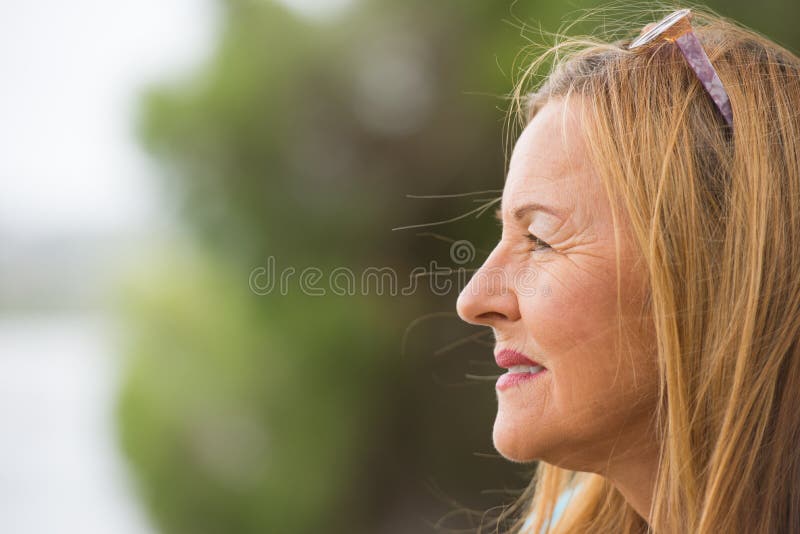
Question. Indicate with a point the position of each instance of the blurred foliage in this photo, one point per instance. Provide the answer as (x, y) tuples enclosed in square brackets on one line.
[(230, 420), (246, 413)]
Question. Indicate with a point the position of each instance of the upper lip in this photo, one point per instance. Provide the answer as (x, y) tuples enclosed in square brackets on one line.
[(507, 358)]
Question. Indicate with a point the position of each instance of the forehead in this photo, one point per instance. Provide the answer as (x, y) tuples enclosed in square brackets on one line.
[(549, 163)]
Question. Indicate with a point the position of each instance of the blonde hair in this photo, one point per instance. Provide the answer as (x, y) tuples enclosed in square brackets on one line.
[(713, 212)]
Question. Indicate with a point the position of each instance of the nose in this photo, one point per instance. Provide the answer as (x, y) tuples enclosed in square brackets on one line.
[(488, 299)]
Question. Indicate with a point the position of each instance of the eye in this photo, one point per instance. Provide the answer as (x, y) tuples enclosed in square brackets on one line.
[(536, 241)]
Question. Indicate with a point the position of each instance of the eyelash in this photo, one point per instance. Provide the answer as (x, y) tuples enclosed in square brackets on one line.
[(533, 239)]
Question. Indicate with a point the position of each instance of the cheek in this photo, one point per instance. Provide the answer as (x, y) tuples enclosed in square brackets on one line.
[(575, 328), (569, 318)]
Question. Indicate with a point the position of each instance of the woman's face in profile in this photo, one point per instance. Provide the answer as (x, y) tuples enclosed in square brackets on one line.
[(549, 292)]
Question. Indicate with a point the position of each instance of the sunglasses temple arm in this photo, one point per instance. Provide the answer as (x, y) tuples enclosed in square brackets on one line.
[(701, 65)]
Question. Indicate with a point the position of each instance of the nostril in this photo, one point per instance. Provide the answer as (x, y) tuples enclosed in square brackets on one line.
[(491, 316)]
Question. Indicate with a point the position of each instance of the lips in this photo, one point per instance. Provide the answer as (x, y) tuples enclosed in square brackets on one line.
[(507, 358)]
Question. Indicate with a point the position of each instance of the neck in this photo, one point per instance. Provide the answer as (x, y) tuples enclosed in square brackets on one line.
[(634, 475)]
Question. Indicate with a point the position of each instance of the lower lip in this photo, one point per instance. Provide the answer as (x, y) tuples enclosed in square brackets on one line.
[(512, 379)]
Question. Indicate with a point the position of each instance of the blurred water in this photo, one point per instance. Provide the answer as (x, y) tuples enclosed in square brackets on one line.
[(60, 470)]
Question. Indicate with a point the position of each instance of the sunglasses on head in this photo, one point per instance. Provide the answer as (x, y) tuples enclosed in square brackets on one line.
[(676, 27)]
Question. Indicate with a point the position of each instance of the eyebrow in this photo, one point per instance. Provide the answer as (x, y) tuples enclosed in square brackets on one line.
[(520, 211)]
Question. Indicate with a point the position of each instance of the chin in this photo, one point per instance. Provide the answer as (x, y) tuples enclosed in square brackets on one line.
[(513, 442)]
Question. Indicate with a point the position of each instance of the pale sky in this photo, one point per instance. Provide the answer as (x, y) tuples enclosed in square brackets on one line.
[(70, 74)]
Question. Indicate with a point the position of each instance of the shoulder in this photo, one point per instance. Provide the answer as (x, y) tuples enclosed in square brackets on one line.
[(558, 511)]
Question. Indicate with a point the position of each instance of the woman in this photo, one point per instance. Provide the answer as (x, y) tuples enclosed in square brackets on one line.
[(645, 292)]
